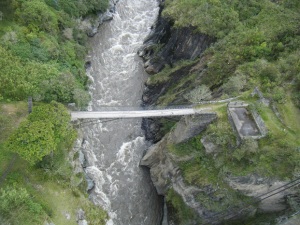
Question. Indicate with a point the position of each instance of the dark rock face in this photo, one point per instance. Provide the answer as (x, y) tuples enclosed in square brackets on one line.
[(164, 169), (167, 45), (163, 164), (154, 91)]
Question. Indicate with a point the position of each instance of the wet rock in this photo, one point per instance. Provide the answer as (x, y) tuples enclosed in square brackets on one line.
[(87, 65), (153, 69), (152, 129), (82, 159), (90, 24)]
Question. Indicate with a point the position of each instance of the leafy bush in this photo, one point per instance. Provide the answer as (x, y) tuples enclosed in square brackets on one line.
[(199, 94), (44, 82), (46, 128), (37, 15), (247, 148), (18, 207), (234, 85), (183, 214), (79, 8), (213, 17), (38, 59)]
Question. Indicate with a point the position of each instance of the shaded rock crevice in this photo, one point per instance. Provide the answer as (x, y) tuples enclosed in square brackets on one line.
[(164, 169), (168, 45)]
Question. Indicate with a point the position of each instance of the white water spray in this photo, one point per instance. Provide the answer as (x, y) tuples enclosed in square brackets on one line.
[(114, 149)]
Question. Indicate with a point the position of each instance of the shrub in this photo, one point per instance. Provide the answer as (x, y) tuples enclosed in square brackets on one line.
[(18, 207), (234, 85), (199, 94), (37, 15), (183, 213), (214, 17), (46, 128)]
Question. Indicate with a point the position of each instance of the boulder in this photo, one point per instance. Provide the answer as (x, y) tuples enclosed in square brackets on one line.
[(90, 24), (163, 167), (256, 186)]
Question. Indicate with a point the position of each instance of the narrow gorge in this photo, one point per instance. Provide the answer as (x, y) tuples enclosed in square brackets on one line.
[(113, 149), (195, 166)]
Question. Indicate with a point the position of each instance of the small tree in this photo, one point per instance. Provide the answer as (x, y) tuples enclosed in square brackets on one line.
[(18, 207), (37, 15), (234, 85), (45, 129), (199, 94), (33, 140)]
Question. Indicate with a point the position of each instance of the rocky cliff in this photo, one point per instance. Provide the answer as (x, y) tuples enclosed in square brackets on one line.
[(167, 45), (164, 170), (202, 176)]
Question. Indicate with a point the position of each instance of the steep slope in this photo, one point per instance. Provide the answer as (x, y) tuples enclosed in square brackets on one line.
[(192, 58)]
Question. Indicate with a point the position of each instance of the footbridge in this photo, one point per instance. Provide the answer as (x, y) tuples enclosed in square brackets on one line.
[(140, 113)]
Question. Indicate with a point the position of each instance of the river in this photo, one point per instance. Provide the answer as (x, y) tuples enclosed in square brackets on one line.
[(114, 149)]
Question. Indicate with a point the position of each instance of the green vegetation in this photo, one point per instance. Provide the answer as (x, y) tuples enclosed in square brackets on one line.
[(46, 129), (280, 150), (206, 170), (42, 52), (15, 203), (166, 73), (183, 214), (42, 187), (213, 17), (257, 45)]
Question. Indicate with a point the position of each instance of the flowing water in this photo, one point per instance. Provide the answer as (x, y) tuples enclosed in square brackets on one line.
[(114, 149)]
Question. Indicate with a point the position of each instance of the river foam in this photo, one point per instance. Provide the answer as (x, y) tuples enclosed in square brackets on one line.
[(114, 149)]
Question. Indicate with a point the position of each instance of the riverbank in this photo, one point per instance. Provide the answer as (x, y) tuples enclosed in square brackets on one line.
[(45, 62)]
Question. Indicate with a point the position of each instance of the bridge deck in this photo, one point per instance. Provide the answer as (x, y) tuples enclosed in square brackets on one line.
[(137, 113)]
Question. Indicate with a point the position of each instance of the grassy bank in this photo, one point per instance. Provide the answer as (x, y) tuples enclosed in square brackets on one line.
[(39, 193)]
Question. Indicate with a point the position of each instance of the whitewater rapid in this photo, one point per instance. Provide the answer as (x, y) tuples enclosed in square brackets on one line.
[(114, 149)]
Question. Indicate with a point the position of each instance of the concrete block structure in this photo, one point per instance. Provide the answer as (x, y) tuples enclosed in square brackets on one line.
[(247, 123)]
